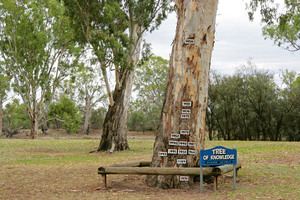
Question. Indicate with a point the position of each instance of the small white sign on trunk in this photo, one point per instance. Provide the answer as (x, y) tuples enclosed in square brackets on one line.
[(187, 103), (175, 136), (182, 151), (172, 151), (182, 143), (184, 132), (192, 151), (191, 144), (184, 178), (186, 111), (181, 161), (173, 142), (162, 153), (185, 116), (189, 41)]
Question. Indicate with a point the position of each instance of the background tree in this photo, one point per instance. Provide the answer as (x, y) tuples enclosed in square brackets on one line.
[(36, 47), (283, 28), (15, 118), (291, 106), (4, 88), (67, 113), (89, 92), (104, 25), (150, 86), (250, 106)]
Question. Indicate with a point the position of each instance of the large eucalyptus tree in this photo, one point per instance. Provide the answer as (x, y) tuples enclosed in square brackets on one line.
[(187, 87), (114, 31)]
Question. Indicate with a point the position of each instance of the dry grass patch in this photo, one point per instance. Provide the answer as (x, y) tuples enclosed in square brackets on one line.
[(63, 169)]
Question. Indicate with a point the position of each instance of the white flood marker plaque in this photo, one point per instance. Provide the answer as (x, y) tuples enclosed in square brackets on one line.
[(181, 161), (189, 41), (187, 103), (172, 151), (186, 111), (191, 144), (184, 178), (182, 143), (191, 151), (162, 153), (185, 116), (182, 151), (184, 132), (173, 142), (175, 136)]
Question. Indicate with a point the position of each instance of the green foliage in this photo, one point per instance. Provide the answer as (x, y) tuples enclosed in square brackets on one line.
[(4, 86), (290, 102), (150, 86), (108, 26), (66, 112), (15, 116), (102, 25), (250, 106), (36, 45), (282, 28), (97, 118)]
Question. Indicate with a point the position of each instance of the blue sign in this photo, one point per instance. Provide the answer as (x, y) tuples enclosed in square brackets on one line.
[(218, 156)]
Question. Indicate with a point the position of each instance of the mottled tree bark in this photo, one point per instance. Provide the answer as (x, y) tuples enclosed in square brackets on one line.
[(187, 81), (114, 137), (33, 127)]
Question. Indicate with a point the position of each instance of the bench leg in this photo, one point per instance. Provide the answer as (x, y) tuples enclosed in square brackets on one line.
[(215, 183), (104, 180)]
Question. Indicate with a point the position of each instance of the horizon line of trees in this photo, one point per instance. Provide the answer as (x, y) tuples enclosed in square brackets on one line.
[(247, 105)]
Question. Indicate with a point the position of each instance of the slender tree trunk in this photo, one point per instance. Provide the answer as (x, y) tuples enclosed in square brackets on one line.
[(34, 127), (87, 115), (114, 137), (187, 81)]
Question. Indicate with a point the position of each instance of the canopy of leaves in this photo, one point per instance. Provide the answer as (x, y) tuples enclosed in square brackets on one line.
[(15, 116), (4, 87), (66, 112), (250, 106), (102, 24), (283, 28), (35, 44)]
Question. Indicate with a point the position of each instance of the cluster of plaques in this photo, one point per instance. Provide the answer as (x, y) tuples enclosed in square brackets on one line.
[(179, 143), (186, 112)]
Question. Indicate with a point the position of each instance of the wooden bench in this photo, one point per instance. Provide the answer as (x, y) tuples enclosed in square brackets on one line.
[(143, 168)]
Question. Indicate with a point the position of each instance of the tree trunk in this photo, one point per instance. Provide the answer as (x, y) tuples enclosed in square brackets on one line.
[(114, 137), (34, 127), (0, 117), (187, 81), (85, 129)]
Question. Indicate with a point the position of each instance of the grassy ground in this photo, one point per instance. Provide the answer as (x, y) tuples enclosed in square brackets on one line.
[(63, 169)]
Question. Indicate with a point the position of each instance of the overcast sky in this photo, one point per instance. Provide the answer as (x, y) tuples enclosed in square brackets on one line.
[(236, 41)]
